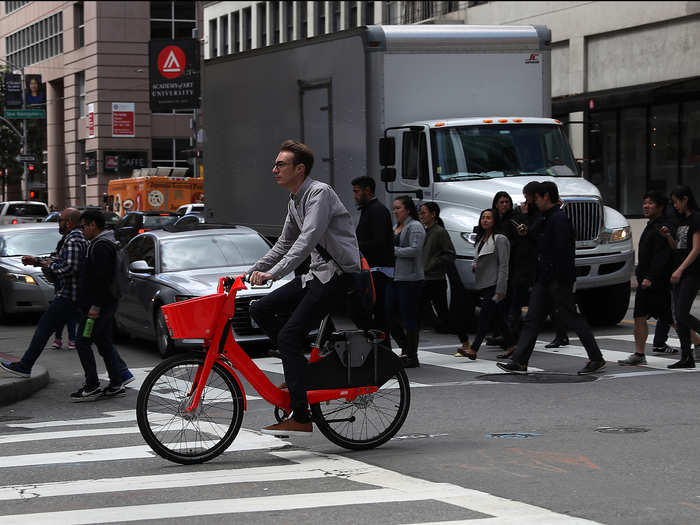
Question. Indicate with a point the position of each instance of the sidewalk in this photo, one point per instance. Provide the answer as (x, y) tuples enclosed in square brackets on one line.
[(13, 389)]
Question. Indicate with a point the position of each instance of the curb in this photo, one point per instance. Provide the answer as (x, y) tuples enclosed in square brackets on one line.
[(13, 389)]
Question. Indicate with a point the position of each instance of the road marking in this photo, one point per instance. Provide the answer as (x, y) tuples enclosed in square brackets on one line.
[(479, 366), (671, 341), (387, 486), (246, 440)]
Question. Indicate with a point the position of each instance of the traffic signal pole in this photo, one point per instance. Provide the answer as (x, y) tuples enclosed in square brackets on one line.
[(25, 147)]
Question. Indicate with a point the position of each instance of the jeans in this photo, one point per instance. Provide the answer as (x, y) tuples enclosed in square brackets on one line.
[(435, 297), (71, 326), (287, 315), (684, 294), (491, 312), (102, 337), (60, 311), (559, 298), (403, 308)]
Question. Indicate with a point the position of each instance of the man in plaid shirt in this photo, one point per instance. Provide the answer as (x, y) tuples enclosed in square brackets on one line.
[(66, 266)]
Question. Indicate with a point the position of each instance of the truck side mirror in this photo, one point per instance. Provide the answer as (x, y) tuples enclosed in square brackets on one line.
[(388, 174), (387, 153)]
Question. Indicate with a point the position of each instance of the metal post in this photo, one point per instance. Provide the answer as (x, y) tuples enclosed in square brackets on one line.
[(25, 147)]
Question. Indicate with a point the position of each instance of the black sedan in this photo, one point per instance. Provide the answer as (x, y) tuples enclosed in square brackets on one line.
[(135, 222), (166, 266)]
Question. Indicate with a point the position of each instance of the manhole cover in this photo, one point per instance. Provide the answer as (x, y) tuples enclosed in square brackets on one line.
[(14, 418), (513, 435), (621, 430), (537, 377)]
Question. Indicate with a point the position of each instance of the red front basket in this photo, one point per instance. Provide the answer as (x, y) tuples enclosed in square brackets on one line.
[(194, 318)]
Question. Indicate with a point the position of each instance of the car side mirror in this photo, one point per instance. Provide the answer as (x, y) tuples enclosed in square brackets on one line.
[(387, 151), (141, 267)]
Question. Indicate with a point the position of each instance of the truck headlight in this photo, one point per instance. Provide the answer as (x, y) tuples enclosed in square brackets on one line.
[(620, 234), (21, 278), (470, 237)]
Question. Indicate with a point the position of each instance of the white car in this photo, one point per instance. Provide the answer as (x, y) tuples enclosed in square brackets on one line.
[(18, 212), (186, 209)]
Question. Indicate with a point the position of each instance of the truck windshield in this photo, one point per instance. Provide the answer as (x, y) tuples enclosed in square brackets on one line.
[(481, 152)]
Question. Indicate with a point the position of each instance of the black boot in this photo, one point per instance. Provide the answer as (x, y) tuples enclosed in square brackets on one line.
[(558, 341), (410, 357), (687, 360)]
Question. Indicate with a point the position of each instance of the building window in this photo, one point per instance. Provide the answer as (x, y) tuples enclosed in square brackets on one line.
[(690, 145), (169, 152), (289, 11), (320, 28), (335, 16), (247, 28), (14, 6), (213, 39), (663, 147), (353, 15), (236, 23), (303, 20), (262, 25), (173, 19), (79, 24), (80, 82), (82, 174), (369, 13), (276, 31), (633, 159), (37, 42), (223, 23)]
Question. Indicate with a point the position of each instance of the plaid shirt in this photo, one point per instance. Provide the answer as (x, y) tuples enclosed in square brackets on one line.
[(67, 265)]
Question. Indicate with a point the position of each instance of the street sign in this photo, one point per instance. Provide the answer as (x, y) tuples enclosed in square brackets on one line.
[(25, 113), (25, 158)]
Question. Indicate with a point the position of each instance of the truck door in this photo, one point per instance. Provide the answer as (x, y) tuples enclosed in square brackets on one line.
[(414, 169), (316, 126)]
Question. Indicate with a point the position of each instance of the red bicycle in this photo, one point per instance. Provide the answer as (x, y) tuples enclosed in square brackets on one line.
[(190, 407)]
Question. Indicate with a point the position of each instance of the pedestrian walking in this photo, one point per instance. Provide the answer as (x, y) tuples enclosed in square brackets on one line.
[(490, 267), (375, 239), (438, 265), (407, 287), (71, 325), (686, 276), (654, 260), (317, 224), (553, 289), (66, 267), (98, 305)]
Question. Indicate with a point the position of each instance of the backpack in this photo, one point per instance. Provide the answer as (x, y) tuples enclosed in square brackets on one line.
[(120, 276)]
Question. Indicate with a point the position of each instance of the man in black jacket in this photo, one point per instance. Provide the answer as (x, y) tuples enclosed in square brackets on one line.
[(556, 274), (98, 306), (375, 237), (654, 268)]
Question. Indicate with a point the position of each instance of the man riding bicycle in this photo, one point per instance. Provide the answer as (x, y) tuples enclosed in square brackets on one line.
[(318, 224)]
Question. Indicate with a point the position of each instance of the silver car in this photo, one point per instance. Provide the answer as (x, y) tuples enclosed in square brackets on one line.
[(24, 288), (169, 266)]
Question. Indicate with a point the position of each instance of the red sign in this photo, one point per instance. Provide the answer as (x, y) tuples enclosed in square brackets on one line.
[(111, 162), (123, 119), (171, 62), (91, 120)]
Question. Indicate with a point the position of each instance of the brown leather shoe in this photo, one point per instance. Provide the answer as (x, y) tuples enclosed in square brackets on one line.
[(289, 427)]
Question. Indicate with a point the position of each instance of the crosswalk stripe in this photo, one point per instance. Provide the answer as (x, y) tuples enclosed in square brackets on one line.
[(118, 416), (480, 366), (246, 440), (671, 341)]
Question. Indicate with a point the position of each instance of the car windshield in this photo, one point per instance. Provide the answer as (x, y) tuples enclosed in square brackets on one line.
[(28, 242), (211, 251), (27, 210), (158, 221), (481, 152)]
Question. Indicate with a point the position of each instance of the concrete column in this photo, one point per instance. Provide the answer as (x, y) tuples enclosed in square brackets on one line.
[(54, 138), (577, 65)]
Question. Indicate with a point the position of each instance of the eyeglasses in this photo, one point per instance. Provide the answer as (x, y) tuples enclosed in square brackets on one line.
[(280, 164)]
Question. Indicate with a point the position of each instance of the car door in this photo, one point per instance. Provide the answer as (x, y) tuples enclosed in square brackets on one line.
[(146, 288), (128, 312)]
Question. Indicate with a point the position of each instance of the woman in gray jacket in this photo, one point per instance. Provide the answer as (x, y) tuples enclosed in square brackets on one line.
[(490, 269), (405, 293)]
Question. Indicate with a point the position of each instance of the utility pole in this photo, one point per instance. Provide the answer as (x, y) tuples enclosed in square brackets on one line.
[(25, 147)]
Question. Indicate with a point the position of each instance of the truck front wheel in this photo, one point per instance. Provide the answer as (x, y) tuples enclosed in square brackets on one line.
[(605, 306)]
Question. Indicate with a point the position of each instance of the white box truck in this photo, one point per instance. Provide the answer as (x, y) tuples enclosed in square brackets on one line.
[(467, 106)]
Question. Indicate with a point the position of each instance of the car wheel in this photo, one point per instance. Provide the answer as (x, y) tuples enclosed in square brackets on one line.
[(163, 340)]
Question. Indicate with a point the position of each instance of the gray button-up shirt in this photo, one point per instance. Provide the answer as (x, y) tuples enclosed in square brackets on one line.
[(315, 216)]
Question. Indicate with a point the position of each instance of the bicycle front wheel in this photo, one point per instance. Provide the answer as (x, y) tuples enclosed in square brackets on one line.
[(369, 420), (184, 437)]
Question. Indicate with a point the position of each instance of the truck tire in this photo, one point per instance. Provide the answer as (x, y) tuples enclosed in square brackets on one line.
[(605, 306)]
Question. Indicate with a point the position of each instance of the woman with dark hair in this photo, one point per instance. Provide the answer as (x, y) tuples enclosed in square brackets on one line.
[(438, 260), (405, 292), (490, 269), (686, 278)]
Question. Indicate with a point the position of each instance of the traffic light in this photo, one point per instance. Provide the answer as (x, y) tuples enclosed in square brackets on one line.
[(32, 194), (30, 167)]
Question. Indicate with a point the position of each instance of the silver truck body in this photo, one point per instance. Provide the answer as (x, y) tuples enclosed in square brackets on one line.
[(338, 93)]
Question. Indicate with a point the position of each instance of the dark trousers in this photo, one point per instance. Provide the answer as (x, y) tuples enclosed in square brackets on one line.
[(102, 337), (560, 299), (516, 299), (60, 311), (71, 326), (403, 307), (684, 294), (382, 282), (435, 301), (286, 316), (492, 313), (663, 327)]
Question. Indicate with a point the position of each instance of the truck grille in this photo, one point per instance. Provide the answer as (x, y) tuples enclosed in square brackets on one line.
[(585, 215), (241, 323)]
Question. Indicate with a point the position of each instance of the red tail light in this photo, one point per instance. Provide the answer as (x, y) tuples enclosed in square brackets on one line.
[(15, 221), (141, 230)]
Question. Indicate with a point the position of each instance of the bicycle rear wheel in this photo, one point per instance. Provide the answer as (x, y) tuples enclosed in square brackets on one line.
[(183, 437), (370, 419)]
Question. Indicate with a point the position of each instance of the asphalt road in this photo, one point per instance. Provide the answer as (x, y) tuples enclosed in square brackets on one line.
[(618, 450)]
